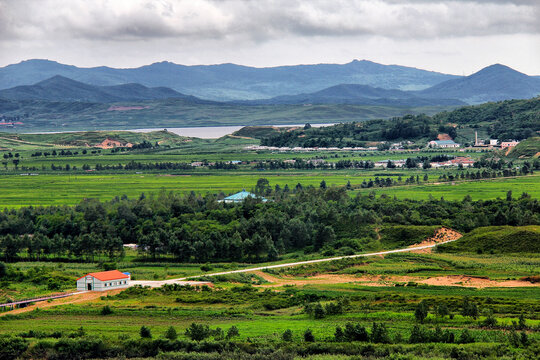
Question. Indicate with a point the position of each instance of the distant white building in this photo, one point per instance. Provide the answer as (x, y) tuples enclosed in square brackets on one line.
[(493, 142), (103, 281), (443, 144)]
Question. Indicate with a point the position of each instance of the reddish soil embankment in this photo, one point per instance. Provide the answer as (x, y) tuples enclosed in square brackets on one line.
[(74, 299)]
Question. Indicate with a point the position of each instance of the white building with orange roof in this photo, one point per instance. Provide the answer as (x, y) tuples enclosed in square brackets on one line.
[(103, 281)]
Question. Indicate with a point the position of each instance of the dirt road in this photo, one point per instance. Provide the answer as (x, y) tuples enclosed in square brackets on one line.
[(79, 297), (184, 279)]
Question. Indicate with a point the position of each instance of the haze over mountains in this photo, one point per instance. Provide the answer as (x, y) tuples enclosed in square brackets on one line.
[(60, 88), (493, 83), (226, 82), (358, 82), (360, 95)]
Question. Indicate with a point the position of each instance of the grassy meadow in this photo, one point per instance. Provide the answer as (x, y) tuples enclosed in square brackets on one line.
[(70, 189), (383, 295)]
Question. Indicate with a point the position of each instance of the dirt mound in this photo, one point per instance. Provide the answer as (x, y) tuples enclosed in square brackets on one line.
[(443, 137), (442, 235)]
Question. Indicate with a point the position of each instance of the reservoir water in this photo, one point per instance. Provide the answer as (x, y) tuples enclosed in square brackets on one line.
[(203, 132)]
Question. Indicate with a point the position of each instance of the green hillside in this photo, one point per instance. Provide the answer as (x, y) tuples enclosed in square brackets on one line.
[(513, 119), (89, 138), (497, 239), (37, 115), (526, 149), (259, 132)]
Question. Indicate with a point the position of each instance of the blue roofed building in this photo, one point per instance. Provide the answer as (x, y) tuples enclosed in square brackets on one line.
[(241, 196)]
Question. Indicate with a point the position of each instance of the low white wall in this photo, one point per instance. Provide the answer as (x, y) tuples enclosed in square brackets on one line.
[(98, 285)]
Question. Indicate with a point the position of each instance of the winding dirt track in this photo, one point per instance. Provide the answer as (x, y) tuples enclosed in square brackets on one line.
[(442, 236), (80, 297), (277, 266)]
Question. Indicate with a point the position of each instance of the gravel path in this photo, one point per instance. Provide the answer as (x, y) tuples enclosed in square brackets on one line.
[(184, 280)]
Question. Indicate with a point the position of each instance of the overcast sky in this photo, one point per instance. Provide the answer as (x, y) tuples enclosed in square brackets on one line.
[(458, 37)]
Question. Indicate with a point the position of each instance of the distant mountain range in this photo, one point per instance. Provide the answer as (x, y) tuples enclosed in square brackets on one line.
[(359, 95), (59, 88), (227, 82), (493, 83)]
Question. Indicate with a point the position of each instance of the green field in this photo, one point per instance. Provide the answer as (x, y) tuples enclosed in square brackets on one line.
[(262, 316), (46, 248), (60, 189), (477, 190)]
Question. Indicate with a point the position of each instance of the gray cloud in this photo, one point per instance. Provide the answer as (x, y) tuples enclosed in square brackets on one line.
[(458, 36), (237, 20)]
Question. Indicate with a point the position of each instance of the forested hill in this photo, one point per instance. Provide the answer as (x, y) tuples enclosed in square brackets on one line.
[(192, 228), (512, 119)]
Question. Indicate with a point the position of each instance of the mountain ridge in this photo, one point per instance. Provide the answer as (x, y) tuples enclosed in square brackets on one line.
[(359, 95), (63, 89), (225, 82), (493, 83), (496, 82)]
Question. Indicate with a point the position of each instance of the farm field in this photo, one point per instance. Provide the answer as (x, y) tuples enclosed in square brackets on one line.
[(69, 189), (478, 190), (262, 313), (478, 302)]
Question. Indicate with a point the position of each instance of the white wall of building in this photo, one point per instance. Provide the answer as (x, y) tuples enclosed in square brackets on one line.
[(91, 283)]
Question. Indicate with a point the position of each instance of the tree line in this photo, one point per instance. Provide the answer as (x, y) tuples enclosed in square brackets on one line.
[(200, 228)]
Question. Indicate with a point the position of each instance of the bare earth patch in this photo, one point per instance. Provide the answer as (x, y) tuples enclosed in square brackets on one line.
[(441, 235), (391, 280), (74, 299)]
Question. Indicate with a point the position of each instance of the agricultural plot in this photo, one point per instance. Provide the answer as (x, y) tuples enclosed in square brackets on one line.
[(456, 302), (69, 189)]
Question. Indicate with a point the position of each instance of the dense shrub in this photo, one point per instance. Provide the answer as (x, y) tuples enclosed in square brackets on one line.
[(12, 347), (145, 332), (198, 332), (106, 310), (308, 336)]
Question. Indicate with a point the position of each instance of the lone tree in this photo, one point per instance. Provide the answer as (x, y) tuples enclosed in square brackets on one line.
[(198, 332), (106, 310), (232, 332), (442, 310), (308, 336), (145, 332), (421, 311), (469, 309), (287, 335), (171, 333)]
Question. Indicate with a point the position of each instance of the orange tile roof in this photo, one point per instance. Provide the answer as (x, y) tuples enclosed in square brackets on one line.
[(107, 275)]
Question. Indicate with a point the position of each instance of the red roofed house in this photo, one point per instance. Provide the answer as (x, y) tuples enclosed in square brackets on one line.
[(103, 281)]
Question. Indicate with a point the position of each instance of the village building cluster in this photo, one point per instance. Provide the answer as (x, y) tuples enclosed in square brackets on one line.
[(460, 160)]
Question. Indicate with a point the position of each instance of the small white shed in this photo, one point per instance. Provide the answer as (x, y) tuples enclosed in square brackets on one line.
[(103, 281)]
